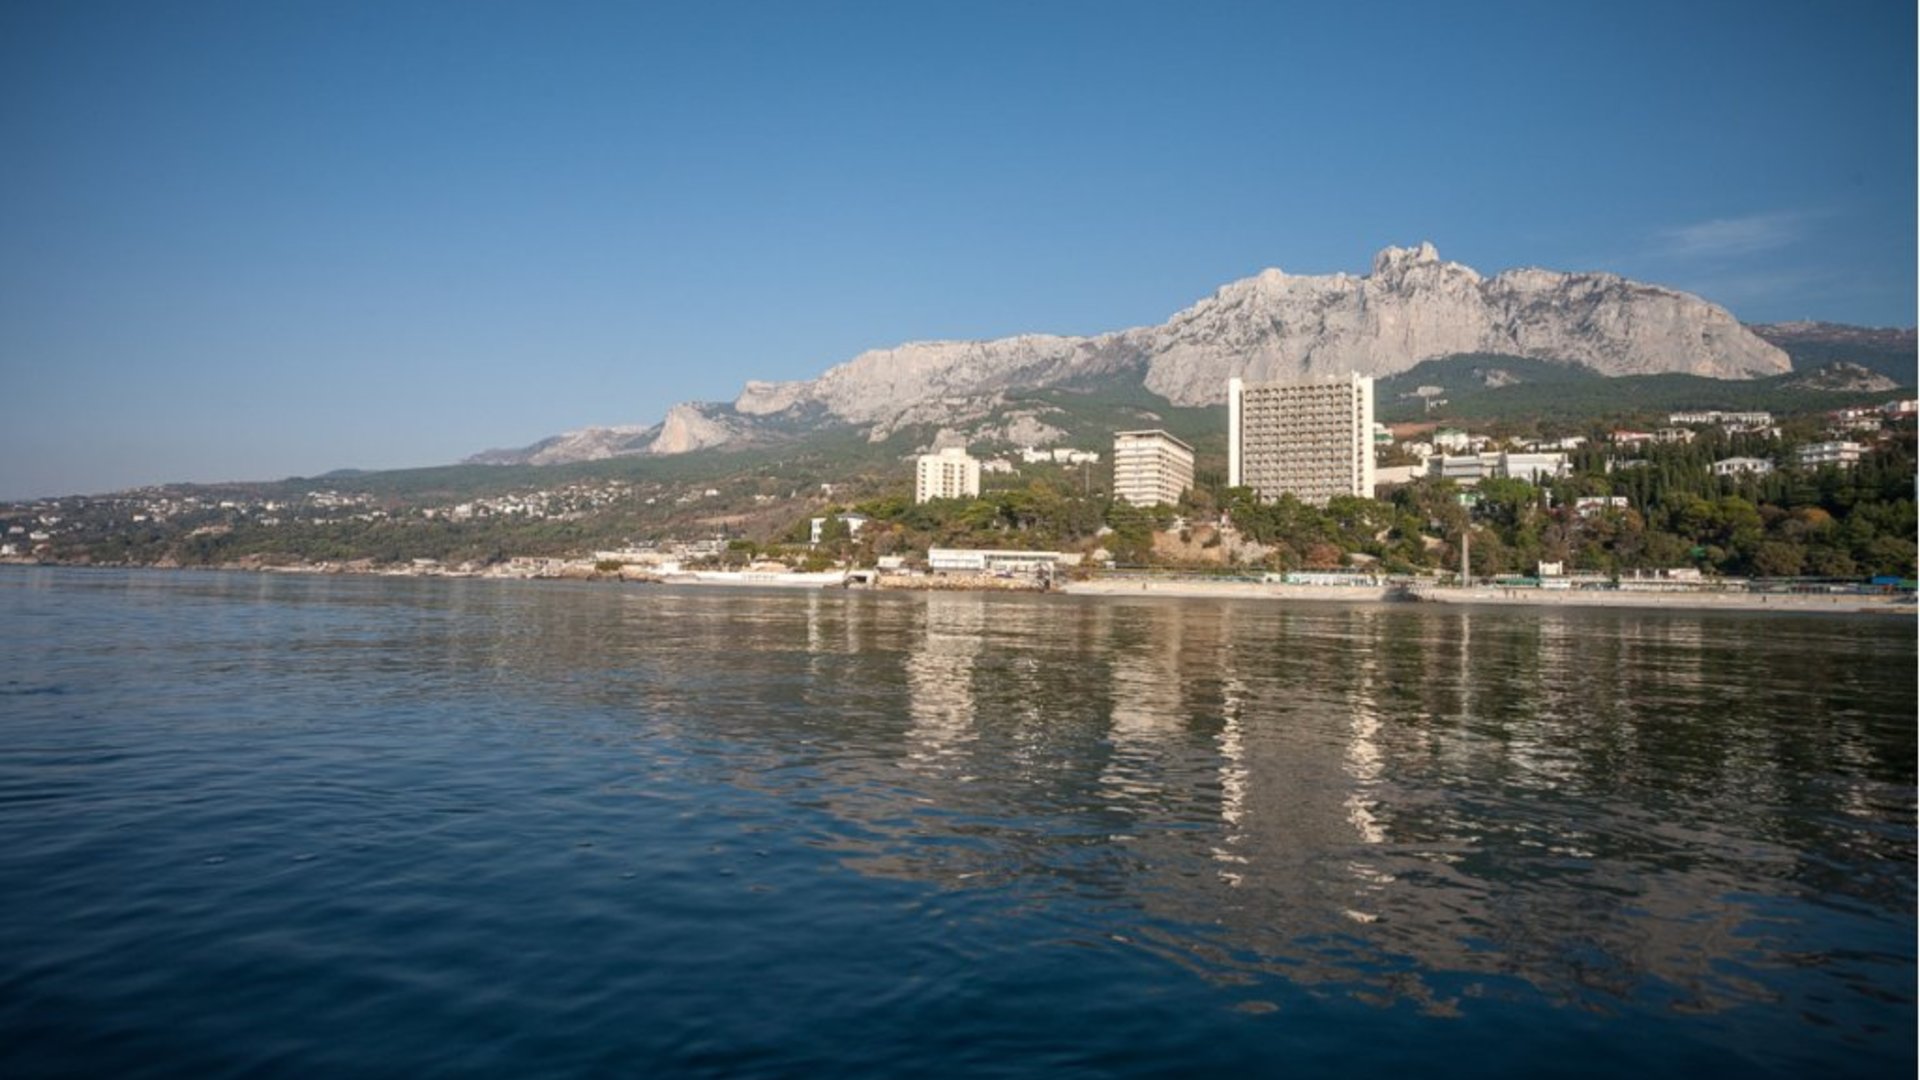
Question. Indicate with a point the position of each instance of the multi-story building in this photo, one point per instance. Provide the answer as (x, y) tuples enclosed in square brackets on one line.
[(1831, 453), (1533, 468), (1312, 440), (950, 474), (1737, 421), (1150, 467), (1503, 464)]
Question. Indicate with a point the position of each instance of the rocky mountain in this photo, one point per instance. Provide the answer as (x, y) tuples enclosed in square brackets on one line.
[(1412, 307), (586, 444), (1890, 351), (1842, 377)]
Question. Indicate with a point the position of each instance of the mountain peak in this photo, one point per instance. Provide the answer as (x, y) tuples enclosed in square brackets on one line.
[(1391, 259)]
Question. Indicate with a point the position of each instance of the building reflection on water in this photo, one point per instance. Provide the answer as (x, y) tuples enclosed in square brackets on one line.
[(940, 667), (1417, 804)]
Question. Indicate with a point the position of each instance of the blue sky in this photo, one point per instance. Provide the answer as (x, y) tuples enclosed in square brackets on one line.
[(244, 240)]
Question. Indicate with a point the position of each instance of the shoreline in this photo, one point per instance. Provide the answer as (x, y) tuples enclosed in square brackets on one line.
[(1498, 596), (1189, 589)]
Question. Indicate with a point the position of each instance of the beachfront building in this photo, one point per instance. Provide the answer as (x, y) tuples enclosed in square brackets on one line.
[(995, 561), (1311, 440), (950, 474), (1151, 467)]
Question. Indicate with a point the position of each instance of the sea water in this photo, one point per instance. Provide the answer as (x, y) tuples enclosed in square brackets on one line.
[(269, 824)]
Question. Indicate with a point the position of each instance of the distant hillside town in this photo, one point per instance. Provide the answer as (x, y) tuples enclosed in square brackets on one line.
[(1292, 477)]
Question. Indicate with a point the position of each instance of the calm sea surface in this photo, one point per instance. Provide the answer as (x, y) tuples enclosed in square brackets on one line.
[(300, 825)]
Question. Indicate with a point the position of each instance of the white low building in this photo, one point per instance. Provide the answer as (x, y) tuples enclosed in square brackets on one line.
[(1588, 505), (1532, 468), (1395, 475), (995, 561), (1742, 466), (816, 527), (1570, 442), (1503, 464)]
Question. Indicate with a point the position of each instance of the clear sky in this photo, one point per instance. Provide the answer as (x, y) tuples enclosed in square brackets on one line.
[(249, 240)]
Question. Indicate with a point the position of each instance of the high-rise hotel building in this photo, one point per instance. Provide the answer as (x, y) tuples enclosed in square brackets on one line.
[(1150, 467), (1313, 440), (950, 474)]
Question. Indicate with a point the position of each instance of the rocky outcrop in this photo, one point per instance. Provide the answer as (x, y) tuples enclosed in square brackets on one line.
[(689, 427), (878, 385), (1843, 376), (1889, 351), (586, 444)]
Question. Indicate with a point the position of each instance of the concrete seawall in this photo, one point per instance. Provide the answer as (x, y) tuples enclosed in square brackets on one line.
[(1353, 594), (1784, 603), (1673, 601)]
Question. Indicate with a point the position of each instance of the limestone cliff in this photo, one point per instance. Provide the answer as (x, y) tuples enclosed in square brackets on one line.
[(1274, 325), (688, 427), (1412, 306), (1415, 307)]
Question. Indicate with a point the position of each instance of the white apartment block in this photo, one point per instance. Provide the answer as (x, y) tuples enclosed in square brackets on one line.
[(1532, 468), (1740, 421), (1313, 440), (950, 474), (1831, 453), (1150, 467), (1501, 464)]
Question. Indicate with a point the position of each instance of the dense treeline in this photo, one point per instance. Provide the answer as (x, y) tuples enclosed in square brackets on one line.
[(1829, 522)]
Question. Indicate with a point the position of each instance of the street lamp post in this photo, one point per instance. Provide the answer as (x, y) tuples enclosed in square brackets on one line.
[(1466, 541)]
